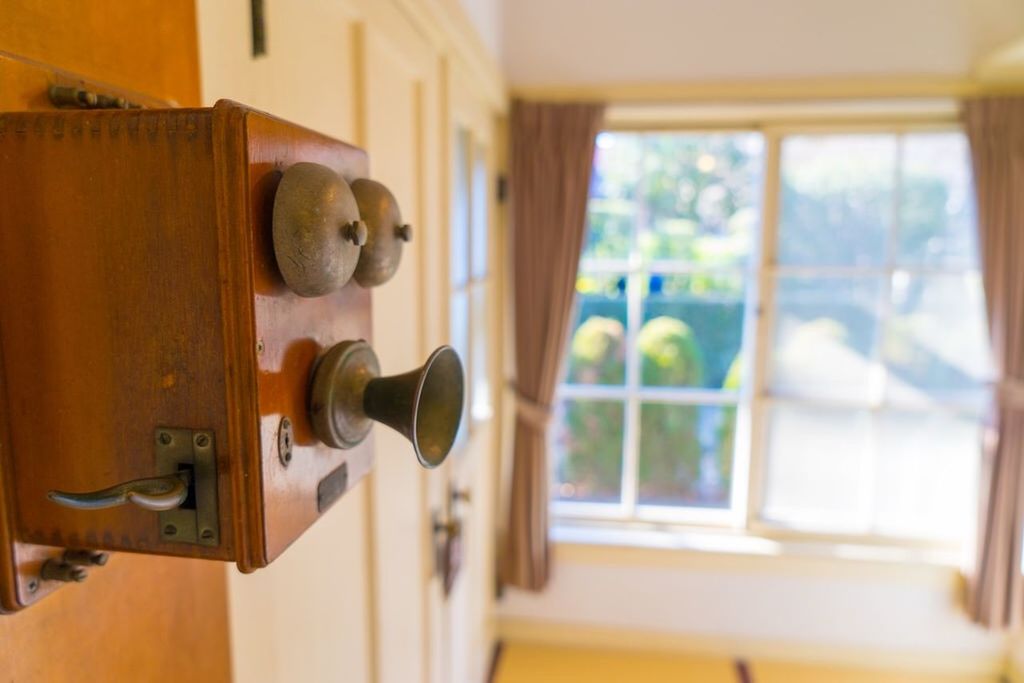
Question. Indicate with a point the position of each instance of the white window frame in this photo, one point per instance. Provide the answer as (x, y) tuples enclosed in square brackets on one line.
[(475, 157), (753, 401)]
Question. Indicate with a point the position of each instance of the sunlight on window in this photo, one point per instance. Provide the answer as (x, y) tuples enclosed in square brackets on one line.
[(653, 371), (879, 352), (863, 420)]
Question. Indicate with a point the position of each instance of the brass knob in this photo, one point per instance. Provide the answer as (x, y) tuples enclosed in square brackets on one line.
[(356, 232), (157, 494), (451, 528)]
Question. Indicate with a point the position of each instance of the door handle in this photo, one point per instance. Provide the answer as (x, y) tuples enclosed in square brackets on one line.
[(155, 493)]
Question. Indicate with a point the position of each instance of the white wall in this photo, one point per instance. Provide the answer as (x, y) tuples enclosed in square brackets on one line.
[(308, 615), (851, 611), (354, 598), (861, 612), (587, 42), (487, 19)]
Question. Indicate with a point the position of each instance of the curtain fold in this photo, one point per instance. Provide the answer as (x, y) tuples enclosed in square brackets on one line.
[(995, 127), (552, 149)]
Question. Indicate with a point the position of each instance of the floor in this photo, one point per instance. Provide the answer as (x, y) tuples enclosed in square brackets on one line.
[(524, 663)]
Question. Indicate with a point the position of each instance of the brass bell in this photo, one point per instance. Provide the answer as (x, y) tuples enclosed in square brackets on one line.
[(317, 230), (386, 233), (424, 405)]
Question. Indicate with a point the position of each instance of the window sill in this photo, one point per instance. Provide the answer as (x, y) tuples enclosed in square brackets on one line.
[(723, 548)]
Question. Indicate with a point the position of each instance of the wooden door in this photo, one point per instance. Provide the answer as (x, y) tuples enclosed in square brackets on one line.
[(138, 618)]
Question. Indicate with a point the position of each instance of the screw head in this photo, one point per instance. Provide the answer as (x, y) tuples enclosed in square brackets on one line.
[(170, 530), (165, 438), (285, 441), (202, 440), (206, 534), (259, 346), (32, 585)]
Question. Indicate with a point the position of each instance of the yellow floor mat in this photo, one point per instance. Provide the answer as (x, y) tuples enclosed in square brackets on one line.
[(781, 672), (528, 663), (522, 663)]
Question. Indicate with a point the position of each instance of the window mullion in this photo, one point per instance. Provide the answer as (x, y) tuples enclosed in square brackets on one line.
[(764, 312), (631, 449), (870, 467), (634, 319)]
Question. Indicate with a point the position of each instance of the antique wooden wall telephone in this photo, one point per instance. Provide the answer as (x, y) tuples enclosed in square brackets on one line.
[(184, 316)]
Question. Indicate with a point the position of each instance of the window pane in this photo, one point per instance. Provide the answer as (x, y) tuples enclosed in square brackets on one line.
[(686, 454), (701, 195), (611, 210), (815, 466), (459, 254), (926, 475), (479, 374), (609, 228), (936, 342), (825, 337), (937, 225), (836, 204), (459, 335), (480, 226), (692, 331), (588, 446), (597, 349)]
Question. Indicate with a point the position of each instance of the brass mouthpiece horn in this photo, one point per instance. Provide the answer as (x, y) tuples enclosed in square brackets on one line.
[(424, 405)]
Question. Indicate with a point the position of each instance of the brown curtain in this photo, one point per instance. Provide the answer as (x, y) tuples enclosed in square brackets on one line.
[(549, 175), (995, 127)]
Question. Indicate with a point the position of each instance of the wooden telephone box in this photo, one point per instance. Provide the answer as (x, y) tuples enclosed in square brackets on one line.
[(148, 333)]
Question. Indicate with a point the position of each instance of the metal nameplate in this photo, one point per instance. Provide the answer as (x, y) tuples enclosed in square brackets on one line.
[(331, 487)]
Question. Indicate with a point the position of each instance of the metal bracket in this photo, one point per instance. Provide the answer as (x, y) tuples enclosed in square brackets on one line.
[(196, 520), (73, 97)]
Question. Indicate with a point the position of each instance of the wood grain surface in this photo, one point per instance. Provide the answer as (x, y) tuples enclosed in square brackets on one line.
[(149, 46), (140, 618), (295, 331), (110, 313), (139, 291)]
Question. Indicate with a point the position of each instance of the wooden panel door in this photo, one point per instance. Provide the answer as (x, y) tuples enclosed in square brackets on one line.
[(141, 618)]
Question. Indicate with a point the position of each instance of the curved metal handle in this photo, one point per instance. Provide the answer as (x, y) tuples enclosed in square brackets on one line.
[(156, 493)]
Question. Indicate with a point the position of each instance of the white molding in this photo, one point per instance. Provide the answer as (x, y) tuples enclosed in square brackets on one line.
[(711, 551), (758, 114), (448, 28)]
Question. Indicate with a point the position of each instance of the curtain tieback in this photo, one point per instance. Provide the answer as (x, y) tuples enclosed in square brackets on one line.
[(1011, 393), (532, 412)]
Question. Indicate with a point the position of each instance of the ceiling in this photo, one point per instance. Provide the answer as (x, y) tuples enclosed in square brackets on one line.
[(601, 42)]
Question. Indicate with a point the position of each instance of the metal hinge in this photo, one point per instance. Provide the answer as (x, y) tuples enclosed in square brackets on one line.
[(501, 188), (72, 97)]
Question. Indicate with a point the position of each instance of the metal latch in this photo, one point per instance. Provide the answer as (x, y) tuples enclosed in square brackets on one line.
[(193, 452), (184, 493)]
